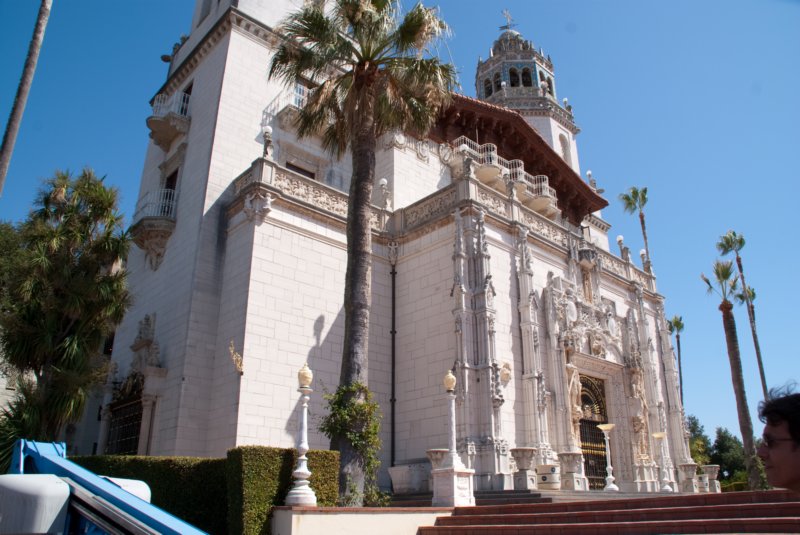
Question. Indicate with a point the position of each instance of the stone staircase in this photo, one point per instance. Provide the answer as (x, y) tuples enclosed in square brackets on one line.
[(482, 498), (774, 511)]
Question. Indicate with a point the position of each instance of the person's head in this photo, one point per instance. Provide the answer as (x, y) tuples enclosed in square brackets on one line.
[(780, 448)]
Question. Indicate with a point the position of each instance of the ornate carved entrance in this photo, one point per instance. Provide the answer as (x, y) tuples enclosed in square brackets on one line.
[(593, 402)]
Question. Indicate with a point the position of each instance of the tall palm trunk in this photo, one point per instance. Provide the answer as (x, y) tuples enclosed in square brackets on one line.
[(737, 379), (644, 235), (680, 367), (357, 290), (751, 313), (24, 87)]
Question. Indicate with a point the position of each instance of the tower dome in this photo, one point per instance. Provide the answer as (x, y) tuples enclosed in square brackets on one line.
[(518, 76)]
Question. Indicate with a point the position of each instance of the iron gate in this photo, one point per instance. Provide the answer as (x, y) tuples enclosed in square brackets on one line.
[(126, 423), (593, 444)]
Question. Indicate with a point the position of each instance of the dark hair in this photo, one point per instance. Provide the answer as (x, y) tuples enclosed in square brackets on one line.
[(782, 406)]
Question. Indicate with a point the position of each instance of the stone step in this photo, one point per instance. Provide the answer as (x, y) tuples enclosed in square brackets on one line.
[(482, 498), (737, 525), (709, 512), (646, 501)]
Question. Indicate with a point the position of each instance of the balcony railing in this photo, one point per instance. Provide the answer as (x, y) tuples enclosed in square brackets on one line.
[(158, 203), (170, 118), (534, 191), (165, 104)]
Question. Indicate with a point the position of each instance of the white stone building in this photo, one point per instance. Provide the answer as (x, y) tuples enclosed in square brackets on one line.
[(490, 257)]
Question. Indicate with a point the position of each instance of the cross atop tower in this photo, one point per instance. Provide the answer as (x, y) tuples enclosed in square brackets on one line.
[(509, 21)]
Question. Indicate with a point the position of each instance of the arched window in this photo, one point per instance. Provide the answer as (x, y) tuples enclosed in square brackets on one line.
[(487, 88), (526, 78), (550, 86), (541, 77), (513, 76), (566, 153), (497, 81)]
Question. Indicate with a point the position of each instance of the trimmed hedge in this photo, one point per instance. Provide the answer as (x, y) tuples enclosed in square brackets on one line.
[(188, 487), (233, 495), (259, 479)]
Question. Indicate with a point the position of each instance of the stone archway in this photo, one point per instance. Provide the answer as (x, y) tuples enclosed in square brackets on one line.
[(593, 447)]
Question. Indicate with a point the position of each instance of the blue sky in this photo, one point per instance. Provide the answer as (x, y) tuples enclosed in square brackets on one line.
[(697, 100)]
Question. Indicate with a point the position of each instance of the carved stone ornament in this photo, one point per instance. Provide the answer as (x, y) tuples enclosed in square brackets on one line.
[(257, 205), (236, 357), (151, 236), (145, 347), (445, 153)]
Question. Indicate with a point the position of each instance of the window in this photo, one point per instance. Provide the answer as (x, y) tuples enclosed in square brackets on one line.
[(526, 78), (299, 170), (487, 88), (300, 96), (566, 153), (496, 79), (514, 77)]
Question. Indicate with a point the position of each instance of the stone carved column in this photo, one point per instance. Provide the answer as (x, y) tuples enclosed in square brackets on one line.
[(148, 405), (525, 476)]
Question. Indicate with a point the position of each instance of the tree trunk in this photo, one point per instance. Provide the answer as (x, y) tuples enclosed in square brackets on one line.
[(644, 235), (737, 379), (680, 367), (751, 313), (24, 87), (357, 292)]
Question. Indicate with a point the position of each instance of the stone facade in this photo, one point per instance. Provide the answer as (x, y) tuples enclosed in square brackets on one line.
[(547, 331)]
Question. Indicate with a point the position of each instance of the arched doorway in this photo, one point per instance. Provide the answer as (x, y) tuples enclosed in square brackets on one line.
[(593, 445)]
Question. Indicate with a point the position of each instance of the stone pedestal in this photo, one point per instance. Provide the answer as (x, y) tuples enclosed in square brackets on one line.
[(702, 483), (688, 477), (548, 476), (525, 476), (452, 487), (572, 476), (712, 471)]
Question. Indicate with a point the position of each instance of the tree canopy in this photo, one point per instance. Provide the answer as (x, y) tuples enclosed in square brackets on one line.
[(63, 291)]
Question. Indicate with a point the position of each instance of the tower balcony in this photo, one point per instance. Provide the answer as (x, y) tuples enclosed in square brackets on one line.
[(170, 118), (535, 192), (489, 165), (153, 224)]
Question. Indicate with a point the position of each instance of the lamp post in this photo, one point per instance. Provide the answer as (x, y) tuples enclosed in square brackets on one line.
[(659, 436), (453, 460), (301, 493), (606, 429)]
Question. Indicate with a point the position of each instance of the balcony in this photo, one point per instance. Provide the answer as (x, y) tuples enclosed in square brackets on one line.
[(489, 168), (285, 106), (170, 118), (533, 191), (153, 223)]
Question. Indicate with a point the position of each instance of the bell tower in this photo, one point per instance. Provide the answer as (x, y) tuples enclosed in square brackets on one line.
[(518, 76)]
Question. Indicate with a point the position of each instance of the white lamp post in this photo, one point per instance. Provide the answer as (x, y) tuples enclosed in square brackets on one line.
[(606, 429), (659, 436), (453, 460), (301, 493)]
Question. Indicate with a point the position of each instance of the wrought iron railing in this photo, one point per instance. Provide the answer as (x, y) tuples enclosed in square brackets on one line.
[(164, 104), (157, 203)]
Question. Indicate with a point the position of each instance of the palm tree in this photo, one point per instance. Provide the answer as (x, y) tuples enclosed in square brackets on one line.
[(726, 286), (61, 295), (634, 201), (676, 327), (24, 87), (372, 76), (731, 242)]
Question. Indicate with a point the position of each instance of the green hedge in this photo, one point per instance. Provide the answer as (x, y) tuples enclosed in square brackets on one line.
[(187, 487), (259, 479), (233, 495)]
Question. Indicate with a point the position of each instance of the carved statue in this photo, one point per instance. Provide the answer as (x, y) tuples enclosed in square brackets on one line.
[(574, 382)]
